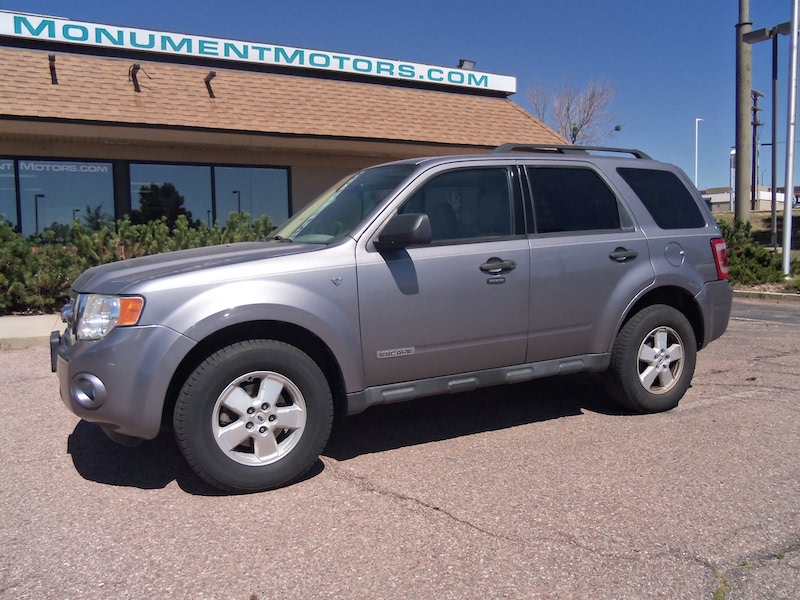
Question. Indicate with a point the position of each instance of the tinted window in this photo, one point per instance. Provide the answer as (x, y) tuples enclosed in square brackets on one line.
[(255, 190), (571, 199), (8, 192), (466, 204), (169, 191), (665, 197), (54, 193)]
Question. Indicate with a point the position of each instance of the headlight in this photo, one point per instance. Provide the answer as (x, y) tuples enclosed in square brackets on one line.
[(100, 314)]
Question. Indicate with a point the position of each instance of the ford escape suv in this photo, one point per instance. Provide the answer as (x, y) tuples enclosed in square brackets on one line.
[(406, 280)]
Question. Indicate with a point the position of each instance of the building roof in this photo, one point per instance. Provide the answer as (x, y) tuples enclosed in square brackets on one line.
[(98, 90)]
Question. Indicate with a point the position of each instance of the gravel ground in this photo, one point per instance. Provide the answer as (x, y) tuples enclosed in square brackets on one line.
[(540, 490)]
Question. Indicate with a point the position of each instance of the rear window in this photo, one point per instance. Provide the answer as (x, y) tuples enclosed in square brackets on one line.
[(665, 197)]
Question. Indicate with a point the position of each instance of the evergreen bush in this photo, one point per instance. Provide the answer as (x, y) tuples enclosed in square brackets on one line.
[(749, 263), (36, 274)]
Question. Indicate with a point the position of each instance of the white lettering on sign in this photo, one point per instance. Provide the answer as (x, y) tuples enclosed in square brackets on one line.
[(50, 167)]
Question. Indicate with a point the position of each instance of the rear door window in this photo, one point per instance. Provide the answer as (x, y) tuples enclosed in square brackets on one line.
[(570, 199), (665, 197)]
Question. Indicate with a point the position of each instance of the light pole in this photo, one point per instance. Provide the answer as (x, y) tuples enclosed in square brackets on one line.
[(753, 37), (36, 210), (791, 136), (75, 210), (238, 201), (696, 138), (756, 124)]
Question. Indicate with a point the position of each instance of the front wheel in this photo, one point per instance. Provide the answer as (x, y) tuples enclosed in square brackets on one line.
[(254, 416), (653, 360)]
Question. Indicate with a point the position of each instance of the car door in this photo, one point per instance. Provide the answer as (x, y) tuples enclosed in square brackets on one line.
[(588, 261), (460, 303)]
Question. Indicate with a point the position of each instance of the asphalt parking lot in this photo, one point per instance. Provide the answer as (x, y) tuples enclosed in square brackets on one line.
[(540, 490)]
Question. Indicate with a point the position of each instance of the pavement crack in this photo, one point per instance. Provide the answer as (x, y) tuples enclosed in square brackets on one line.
[(368, 486), (726, 574)]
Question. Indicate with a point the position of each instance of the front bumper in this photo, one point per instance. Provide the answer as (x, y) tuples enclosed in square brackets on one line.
[(119, 382)]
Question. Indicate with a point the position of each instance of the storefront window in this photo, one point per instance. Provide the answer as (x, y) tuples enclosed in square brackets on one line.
[(169, 191), (55, 193), (257, 191), (8, 193)]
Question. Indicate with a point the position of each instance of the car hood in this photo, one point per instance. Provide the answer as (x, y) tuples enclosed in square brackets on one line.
[(114, 278)]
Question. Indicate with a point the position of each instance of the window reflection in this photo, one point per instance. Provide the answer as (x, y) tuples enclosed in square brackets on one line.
[(169, 191), (255, 190), (8, 193), (55, 193)]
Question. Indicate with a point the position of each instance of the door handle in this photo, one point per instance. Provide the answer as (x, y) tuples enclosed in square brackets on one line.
[(496, 265), (623, 254)]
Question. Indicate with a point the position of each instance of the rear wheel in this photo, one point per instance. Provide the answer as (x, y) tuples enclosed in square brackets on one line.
[(653, 360), (254, 416)]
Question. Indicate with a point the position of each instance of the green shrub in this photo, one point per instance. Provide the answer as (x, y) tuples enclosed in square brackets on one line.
[(36, 274), (749, 263), (15, 252)]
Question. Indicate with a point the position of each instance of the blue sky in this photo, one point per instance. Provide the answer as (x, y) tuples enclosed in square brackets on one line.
[(670, 61)]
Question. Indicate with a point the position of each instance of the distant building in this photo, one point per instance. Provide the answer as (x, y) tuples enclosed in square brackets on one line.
[(721, 199)]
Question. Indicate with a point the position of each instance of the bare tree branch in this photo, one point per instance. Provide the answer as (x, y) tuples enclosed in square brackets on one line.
[(582, 117)]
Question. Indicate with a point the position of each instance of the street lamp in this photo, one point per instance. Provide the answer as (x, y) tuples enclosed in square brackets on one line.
[(753, 37), (36, 210), (696, 131), (754, 169), (238, 201), (75, 210)]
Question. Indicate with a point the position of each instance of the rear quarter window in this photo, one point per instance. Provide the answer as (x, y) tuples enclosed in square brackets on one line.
[(665, 197)]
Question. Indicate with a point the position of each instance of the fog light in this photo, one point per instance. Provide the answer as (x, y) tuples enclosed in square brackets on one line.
[(88, 391)]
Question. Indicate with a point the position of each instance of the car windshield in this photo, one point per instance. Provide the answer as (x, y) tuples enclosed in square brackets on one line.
[(335, 213)]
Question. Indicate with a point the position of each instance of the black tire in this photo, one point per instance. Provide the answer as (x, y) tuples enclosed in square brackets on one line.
[(653, 360), (254, 416)]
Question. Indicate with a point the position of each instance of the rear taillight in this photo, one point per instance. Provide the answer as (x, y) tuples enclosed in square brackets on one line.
[(720, 257)]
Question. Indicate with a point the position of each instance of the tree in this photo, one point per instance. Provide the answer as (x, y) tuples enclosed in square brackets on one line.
[(160, 201), (579, 116), (95, 218)]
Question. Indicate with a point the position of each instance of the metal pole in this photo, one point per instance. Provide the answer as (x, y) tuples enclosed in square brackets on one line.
[(774, 194), (696, 137), (791, 131), (36, 210), (744, 80), (756, 124)]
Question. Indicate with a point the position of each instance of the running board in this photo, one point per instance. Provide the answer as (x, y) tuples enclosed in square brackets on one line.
[(464, 382)]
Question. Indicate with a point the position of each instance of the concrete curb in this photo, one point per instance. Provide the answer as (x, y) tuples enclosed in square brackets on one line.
[(776, 296), (24, 331)]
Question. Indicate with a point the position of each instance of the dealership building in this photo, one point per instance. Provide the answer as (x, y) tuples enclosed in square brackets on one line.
[(96, 116)]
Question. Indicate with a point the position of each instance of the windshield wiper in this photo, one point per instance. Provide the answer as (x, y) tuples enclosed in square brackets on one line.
[(280, 238)]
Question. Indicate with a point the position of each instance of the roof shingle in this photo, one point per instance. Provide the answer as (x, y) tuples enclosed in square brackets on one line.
[(98, 90)]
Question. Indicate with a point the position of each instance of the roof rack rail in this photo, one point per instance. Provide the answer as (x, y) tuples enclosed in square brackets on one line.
[(565, 149)]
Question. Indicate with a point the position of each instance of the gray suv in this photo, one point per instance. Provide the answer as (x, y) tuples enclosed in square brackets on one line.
[(410, 279)]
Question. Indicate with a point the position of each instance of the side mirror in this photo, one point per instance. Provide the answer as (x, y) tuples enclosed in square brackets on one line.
[(403, 231)]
